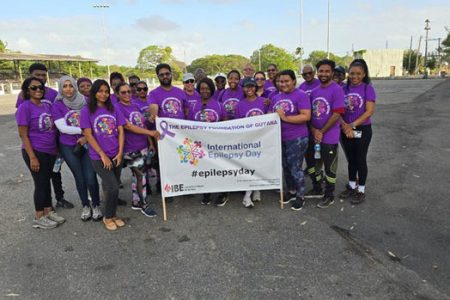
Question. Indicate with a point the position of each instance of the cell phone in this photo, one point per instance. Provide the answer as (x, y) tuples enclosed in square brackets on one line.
[(357, 134)]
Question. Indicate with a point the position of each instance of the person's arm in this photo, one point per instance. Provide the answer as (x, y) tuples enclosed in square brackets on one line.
[(318, 133), (153, 110), (370, 109), (34, 161), (303, 117), (138, 130), (66, 129), (118, 158), (107, 164)]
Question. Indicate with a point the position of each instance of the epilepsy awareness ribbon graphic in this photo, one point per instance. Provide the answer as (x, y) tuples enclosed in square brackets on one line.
[(165, 130)]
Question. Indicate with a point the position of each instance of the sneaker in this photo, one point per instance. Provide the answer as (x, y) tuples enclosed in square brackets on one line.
[(247, 202), (121, 186), (149, 212), (53, 216), (325, 202), (96, 213), (119, 222), (109, 224), (86, 213), (136, 206), (348, 193), (121, 202), (256, 196), (314, 194), (288, 197), (221, 200), (298, 203), (206, 199), (63, 203), (358, 198), (44, 223)]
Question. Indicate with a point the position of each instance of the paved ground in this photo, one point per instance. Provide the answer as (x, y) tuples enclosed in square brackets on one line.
[(235, 253)]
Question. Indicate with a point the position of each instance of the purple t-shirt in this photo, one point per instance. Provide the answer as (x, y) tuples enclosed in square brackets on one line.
[(144, 108), (247, 108), (114, 100), (170, 103), (308, 87), (291, 103), (209, 112), (71, 117), (324, 101), (132, 114), (273, 94), (104, 125), (229, 99), (49, 97), (217, 94), (355, 101), (41, 128), (268, 86), (192, 99)]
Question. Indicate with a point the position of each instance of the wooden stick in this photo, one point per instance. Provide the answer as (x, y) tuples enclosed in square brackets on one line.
[(164, 208), (281, 199)]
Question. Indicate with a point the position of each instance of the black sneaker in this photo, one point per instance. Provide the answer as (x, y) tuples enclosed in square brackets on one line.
[(288, 197), (325, 202), (221, 200), (121, 202), (136, 206), (206, 199), (63, 203), (298, 203), (348, 193), (314, 194), (358, 198)]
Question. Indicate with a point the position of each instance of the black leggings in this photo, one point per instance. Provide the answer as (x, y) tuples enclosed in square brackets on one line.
[(110, 186), (355, 150), (42, 190)]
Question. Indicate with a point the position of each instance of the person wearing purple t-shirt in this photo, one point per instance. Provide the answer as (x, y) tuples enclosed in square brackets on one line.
[(260, 79), (66, 113), (271, 95), (141, 101), (231, 96), (192, 96), (357, 129), (250, 106), (138, 149), (294, 109), (339, 75), (38, 134), (84, 86), (115, 79), (221, 81), (327, 103), (103, 128), (248, 71), (269, 85), (133, 81), (308, 73)]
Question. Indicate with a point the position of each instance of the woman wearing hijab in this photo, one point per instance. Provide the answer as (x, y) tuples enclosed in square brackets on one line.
[(66, 112)]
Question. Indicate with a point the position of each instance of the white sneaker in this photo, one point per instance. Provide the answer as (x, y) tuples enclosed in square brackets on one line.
[(97, 213), (256, 196), (86, 213), (247, 202), (53, 216), (44, 223)]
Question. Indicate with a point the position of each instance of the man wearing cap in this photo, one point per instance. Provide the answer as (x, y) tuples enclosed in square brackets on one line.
[(310, 83), (192, 96), (272, 71), (339, 75), (248, 72), (221, 81)]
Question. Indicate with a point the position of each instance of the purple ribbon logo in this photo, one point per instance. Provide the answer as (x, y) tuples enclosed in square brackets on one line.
[(165, 130)]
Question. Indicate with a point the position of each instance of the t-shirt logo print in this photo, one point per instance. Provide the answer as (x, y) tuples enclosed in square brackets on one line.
[(106, 124), (45, 122), (171, 105), (136, 118), (284, 104), (353, 101), (190, 151), (254, 112), (73, 118), (230, 105), (207, 115), (320, 107)]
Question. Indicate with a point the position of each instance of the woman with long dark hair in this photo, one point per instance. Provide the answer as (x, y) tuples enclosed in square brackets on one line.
[(357, 129), (103, 128), (37, 131), (231, 96)]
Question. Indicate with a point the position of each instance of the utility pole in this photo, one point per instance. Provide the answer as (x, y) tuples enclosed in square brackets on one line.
[(103, 7), (301, 35), (410, 53), (328, 32), (417, 56), (427, 28)]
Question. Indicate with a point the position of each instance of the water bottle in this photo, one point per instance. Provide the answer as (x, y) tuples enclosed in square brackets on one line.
[(317, 151), (57, 165)]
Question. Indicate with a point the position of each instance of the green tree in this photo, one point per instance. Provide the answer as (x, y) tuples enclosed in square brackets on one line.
[(445, 49), (275, 55), (151, 56), (317, 55), (213, 64), (2, 47), (409, 61)]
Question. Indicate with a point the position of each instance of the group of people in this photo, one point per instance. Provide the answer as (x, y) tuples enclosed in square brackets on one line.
[(98, 132)]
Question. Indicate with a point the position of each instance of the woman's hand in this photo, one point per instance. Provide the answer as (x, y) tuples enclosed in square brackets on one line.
[(34, 164), (82, 141), (348, 130), (155, 134), (118, 159), (266, 101), (282, 114), (107, 164)]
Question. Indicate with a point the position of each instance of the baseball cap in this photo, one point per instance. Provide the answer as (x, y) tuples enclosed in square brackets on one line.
[(340, 69), (249, 81), (188, 76), (220, 75)]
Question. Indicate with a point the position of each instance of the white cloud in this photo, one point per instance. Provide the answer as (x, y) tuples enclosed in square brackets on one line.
[(156, 23)]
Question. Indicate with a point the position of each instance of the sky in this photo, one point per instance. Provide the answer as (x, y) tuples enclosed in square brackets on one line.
[(195, 28)]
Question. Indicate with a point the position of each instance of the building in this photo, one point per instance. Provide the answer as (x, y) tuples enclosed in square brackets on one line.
[(382, 62)]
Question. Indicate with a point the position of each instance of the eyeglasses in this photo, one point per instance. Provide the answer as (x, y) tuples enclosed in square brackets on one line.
[(271, 70), (189, 81), (140, 89), (125, 92), (260, 79), (36, 87), (167, 74), (308, 73)]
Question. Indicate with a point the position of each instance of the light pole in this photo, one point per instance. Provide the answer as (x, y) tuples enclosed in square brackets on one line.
[(299, 49), (259, 59), (328, 32), (103, 25), (427, 28)]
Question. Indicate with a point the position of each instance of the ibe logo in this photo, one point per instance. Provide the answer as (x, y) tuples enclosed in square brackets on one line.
[(190, 151), (173, 188)]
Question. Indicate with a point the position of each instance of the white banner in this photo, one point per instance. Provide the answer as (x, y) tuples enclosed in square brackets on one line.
[(236, 155)]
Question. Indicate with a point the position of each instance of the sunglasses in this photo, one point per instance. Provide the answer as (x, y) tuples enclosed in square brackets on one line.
[(140, 89), (260, 79), (125, 92), (307, 73), (36, 87), (271, 70), (221, 80), (167, 74), (189, 81)]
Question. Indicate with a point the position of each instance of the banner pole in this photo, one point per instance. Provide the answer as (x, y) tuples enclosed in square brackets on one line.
[(281, 198), (164, 208)]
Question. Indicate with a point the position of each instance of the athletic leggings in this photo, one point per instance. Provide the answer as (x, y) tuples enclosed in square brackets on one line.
[(110, 186), (355, 150), (293, 152)]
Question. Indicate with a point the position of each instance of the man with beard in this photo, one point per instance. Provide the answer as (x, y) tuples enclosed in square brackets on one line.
[(327, 105), (310, 82)]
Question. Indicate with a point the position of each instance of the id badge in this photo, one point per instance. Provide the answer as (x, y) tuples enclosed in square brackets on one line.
[(357, 134)]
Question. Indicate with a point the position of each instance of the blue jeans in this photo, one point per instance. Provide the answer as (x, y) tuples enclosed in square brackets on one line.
[(84, 174), (293, 152)]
